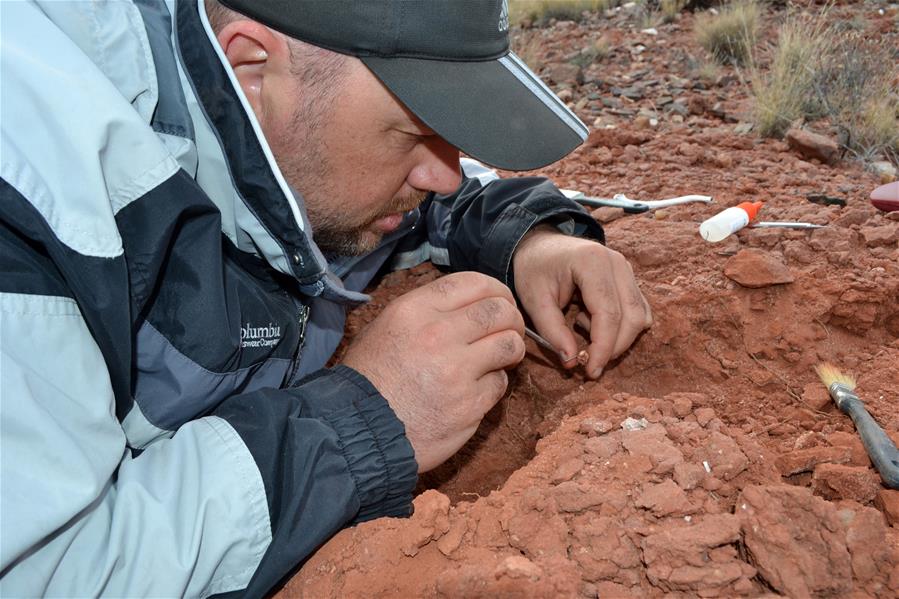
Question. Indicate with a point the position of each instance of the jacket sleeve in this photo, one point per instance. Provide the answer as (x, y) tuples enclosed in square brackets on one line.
[(233, 499), (480, 225)]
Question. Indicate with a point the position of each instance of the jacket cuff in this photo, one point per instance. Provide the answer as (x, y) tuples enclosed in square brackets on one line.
[(380, 458), (514, 223)]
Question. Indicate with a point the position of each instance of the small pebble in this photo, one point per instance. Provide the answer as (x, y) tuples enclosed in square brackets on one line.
[(632, 424), (583, 357)]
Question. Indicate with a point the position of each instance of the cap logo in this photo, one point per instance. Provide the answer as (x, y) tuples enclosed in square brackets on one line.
[(504, 17)]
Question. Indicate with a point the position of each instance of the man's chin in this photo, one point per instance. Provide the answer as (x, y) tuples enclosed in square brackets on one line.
[(356, 244)]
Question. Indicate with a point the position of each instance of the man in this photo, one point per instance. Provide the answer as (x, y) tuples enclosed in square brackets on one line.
[(188, 209)]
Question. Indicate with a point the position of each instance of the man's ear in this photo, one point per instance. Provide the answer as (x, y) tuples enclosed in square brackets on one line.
[(255, 53)]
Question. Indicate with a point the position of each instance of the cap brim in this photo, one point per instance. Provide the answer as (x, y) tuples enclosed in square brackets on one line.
[(497, 111)]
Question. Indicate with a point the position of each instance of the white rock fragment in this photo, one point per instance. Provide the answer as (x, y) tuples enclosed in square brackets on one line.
[(633, 424)]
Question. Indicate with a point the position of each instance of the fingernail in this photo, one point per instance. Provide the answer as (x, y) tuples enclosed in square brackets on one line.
[(597, 373)]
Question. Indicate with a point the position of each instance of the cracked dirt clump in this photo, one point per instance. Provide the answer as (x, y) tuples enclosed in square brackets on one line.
[(678, 507)]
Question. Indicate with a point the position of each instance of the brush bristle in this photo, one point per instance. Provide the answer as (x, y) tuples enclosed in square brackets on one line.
[(830, 374)]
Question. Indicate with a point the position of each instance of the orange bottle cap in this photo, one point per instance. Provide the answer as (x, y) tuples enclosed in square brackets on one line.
[(751, 208)]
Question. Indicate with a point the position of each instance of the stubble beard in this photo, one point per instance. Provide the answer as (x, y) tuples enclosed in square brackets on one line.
[(333, 235), (336, 229)]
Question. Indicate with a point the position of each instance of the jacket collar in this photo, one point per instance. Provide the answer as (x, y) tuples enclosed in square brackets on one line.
[(271, 216)]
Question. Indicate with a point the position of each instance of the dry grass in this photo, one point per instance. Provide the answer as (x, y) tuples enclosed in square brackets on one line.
[(540, 12), (730, 35), (652, 13), (708, 73), (594, 52), (853, 87), (783, 92), (669, 9), (527, 45), (876, 131), (830, 71)]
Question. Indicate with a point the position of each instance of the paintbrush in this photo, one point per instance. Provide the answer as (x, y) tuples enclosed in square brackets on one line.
[(880, 447)]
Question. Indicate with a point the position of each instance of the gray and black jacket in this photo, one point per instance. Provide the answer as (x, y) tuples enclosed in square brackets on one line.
[(167, 426)]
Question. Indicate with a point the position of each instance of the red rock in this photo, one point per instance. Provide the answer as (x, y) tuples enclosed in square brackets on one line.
[(603, 550), (688, 475), (853, 216), (651, 256), (755, 268), (602, 447), (661, 452), (704, 415), (859, 457), (834, 481), (451, 541), (815, 396), (805, 460), (724, 456), (564, 72), (710, 483), (594, 426), (536, 531), (665, 499), (683, 402), (518, 566), (602, 155), (697, 104), (613, 138), (572, 497), (882, 235), (810, 439), (813, 145), (607, 214), (677, 558), (796, 539), (429, 522), (611, 589), (723, 160), (866, 541), (642, 122), (887, 501), (567, 470)]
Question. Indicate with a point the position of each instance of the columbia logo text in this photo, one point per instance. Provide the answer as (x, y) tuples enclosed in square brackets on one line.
[(267, 336)]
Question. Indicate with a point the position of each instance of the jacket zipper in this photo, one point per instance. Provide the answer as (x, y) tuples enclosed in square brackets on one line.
[(302, 320)]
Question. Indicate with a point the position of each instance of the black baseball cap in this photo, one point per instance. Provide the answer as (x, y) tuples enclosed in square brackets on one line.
[(449, 62)]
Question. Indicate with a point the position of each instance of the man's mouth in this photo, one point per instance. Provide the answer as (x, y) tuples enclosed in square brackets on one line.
[(389, 223)]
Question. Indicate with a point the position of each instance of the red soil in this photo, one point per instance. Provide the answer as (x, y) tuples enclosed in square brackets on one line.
[(746, 481)]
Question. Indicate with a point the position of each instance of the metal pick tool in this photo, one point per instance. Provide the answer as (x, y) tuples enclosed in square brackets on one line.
[(784, 225), (619, 200), (543, 343)]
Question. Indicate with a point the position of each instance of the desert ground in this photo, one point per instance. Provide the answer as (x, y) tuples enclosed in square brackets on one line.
[(709, 459)]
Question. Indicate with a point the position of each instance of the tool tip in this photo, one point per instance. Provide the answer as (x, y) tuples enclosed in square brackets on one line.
[(830, 374)]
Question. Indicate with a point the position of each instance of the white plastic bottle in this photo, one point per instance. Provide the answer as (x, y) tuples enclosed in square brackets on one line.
[(729, 221)]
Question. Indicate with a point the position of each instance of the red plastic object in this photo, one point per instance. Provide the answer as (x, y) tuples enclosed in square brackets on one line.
[(886, 197)]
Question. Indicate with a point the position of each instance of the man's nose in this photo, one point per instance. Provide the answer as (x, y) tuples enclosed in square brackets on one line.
[(438, 168)]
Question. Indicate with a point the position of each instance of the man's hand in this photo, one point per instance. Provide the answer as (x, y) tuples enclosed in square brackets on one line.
[(548, 266), (438, 354)]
